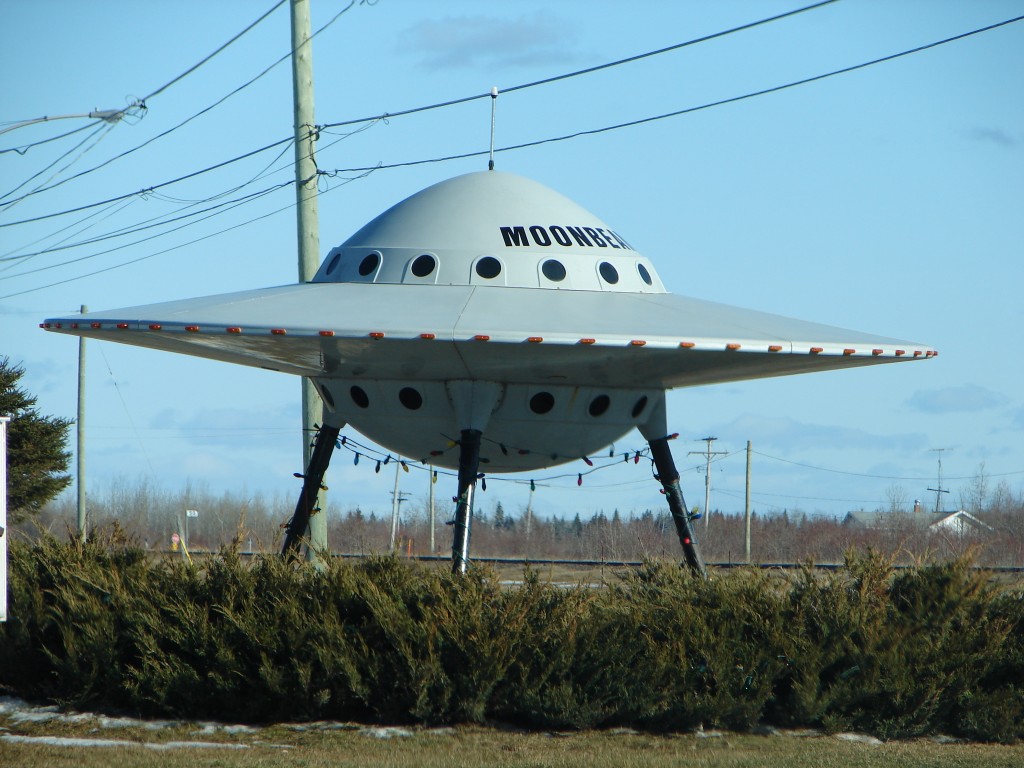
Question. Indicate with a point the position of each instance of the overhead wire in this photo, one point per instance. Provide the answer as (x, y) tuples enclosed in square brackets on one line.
[(172, 248), (588, 70), (201, 112), (368, 169), (453, 102), (161, 220), (689, 110)]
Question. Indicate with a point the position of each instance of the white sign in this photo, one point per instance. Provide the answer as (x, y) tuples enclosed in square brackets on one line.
[(191, 513)]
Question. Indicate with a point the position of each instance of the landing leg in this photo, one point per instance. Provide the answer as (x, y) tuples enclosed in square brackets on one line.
[(669, 476), (298, 526), (469, 463)]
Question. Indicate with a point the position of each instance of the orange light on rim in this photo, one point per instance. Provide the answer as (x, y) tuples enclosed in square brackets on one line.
[(74, 325), (278, 331), (122, 326), (687, 344), (535, 339), (326, 333), (376, 334), (816, 350), (588, 341), (732, 347), (876, 352), (155, 326), (234, 329), (917, 353), (900, 352), (192, 328), (775, 348), (481, 337), (849, 352), (96, 325), (637, 343), (428, 336)]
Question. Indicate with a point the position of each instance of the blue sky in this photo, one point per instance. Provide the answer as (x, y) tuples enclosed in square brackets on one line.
[(888, 200)]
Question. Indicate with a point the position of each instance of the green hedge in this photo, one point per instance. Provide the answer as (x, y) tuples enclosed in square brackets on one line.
[(936, 648)]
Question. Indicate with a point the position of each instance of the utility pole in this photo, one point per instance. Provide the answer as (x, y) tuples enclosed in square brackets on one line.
[(708, 453), (80, 433), (396, 499), (938, 489), (746, 508), (431, 479), (529, 511), (308, 229)]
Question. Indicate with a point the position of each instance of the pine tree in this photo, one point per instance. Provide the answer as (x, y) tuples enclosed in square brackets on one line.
[(36, 455)]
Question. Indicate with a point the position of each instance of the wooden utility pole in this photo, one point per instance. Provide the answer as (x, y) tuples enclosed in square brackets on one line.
[(746, 512), (80, 433), (308, 229), (708, 453)]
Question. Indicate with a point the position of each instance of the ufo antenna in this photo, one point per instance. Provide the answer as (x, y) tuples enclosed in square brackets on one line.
[(494, 101)]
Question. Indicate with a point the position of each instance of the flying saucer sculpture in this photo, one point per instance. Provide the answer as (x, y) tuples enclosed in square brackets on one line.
[(488, 322)]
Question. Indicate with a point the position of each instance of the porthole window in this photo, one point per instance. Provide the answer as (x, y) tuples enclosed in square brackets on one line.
[(359, 397), (609, 273), (599, 405), (326, 395), (410, 398), (423, 265), (369, 264), (488, 267), (644, 274), (334, 263), (640, 405), (542, 402), (553, 270)]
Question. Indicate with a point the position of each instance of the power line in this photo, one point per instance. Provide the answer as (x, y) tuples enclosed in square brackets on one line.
[(200, 63), (880, 477), (689, 110), (187, 176), (187, 120), (588, 70)]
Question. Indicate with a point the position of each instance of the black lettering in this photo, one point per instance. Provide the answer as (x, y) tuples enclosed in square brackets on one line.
[(610, 239), (540, 235), (622, 242), (560, 236), (598, 240), (515, 236), (578, 236)]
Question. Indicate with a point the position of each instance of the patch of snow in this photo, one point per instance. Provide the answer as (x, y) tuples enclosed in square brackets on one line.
[(860, 738), (386, 733), (66, 741)]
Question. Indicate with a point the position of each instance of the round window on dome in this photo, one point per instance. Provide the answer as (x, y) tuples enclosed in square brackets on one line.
[(334, 262), (553, 270), (488, 267), (410, 398), (359, 397), (369, 264), (542, 402), (609, 273), (599, 405), (423, 265), (644, 274), (638, 408)]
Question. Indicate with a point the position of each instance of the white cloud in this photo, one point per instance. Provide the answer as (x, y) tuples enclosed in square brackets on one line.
[(966, 398)]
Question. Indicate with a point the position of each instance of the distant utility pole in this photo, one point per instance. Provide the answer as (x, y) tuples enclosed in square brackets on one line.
[(308, 229), (746, 507), (938, 489), (708, 453), (396, 499), (80, 433), (431, 478)]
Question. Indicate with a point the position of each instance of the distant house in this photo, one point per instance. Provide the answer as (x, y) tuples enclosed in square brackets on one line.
[(959, 523)]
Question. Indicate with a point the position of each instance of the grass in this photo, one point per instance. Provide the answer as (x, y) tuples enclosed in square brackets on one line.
[(340, 745)]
